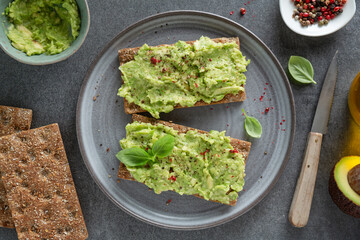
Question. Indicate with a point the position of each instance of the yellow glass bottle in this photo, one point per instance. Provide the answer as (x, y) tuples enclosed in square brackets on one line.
[(352, 144), (354, 99)]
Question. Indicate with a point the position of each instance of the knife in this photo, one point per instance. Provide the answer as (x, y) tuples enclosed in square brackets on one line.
[(301, 202)]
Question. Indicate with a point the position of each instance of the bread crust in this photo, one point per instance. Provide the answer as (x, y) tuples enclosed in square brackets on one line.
[(242, 146), (127, 54)]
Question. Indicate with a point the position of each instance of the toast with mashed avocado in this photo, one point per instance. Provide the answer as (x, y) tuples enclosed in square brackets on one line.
[(185, 74), (208, 165)]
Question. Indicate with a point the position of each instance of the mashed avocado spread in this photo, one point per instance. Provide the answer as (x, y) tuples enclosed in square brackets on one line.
[(162, 77), (43, 26), (204, 164)]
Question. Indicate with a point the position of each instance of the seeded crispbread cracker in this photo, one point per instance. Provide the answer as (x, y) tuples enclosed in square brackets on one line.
[(242, 146), (39, 186), (5, 213), (12, 120), (127, 54)]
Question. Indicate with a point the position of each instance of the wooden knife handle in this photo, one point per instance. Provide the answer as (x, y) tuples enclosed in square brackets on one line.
[(301, 203)]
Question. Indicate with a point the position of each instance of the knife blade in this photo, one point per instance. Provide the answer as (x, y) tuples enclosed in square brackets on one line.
[(304, 191), (322, 114)]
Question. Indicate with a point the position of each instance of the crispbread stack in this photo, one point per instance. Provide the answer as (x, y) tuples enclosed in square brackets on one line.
[(39, 185), (127, 54), (242, 146), (11, 120)]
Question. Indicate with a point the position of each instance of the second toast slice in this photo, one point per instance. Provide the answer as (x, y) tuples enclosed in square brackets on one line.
[(239, 146), (128, 54)]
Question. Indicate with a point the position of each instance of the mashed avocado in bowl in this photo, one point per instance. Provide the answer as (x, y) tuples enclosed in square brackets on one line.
[(42, 32), (43, 26)]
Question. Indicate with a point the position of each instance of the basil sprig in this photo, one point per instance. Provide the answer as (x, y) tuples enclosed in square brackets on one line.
[(135, 156), (252, 126), (163, 146), (300, 70)]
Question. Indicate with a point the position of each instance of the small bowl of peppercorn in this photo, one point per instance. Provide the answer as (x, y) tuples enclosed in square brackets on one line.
[(315, 18)]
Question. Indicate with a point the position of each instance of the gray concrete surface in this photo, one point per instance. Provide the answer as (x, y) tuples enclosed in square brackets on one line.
[(52, 92)]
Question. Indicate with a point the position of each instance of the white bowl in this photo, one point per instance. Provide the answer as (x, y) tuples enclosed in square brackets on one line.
[(315, 30)]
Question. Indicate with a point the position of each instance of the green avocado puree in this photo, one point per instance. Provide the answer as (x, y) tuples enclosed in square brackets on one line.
[(204, 164), (43, 26), (160, 78)]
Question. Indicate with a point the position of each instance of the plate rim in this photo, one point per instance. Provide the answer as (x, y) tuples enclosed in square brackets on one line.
[(139, 23)]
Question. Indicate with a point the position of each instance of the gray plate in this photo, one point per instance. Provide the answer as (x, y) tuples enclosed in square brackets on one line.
[(101, 123)]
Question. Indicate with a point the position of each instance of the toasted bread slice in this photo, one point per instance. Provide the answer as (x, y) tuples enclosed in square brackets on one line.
[(127, 54), (242, 146)]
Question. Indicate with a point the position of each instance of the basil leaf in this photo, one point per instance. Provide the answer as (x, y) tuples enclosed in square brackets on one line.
[(300, 70), (133, 157), (252, 126), (163, 146)]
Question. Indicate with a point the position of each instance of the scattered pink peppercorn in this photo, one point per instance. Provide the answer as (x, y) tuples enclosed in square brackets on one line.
[(154, 61), (242, 11)]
